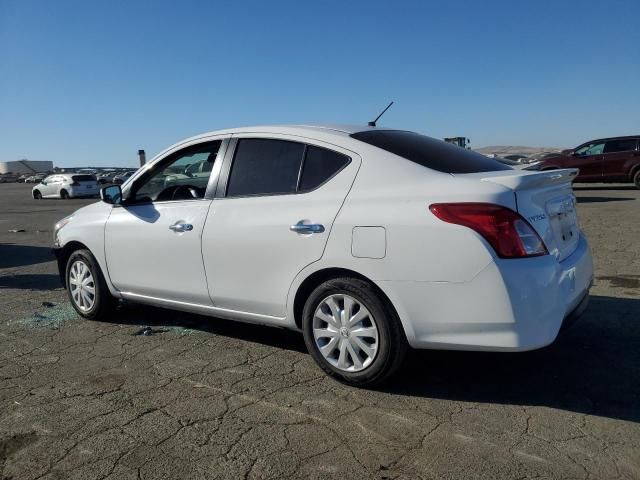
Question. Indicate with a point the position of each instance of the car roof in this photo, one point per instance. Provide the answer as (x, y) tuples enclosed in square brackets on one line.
[(624, 137), (320, 130)]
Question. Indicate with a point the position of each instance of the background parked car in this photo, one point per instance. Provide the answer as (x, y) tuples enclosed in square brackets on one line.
[(38, 177), (8, 178), (605, 160), (66, 185), (106, 177), (122, 177)]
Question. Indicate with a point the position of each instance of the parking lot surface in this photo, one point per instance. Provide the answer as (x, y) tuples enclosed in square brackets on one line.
[(208, 398)]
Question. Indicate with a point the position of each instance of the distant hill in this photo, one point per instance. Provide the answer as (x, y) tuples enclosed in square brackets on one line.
[(502, 150)]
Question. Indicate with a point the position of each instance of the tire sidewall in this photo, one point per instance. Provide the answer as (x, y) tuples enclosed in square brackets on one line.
[(363, 293)]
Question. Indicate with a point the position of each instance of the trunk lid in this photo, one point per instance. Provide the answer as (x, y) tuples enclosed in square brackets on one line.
[(546, 200)]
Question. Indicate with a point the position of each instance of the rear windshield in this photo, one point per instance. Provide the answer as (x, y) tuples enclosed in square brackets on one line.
[(429, 152), (84, 178)]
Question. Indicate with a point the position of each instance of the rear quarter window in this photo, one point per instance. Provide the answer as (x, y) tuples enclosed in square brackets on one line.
[(429, 152)]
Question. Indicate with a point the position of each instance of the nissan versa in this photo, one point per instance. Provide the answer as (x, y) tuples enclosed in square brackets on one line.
[(367, 240)]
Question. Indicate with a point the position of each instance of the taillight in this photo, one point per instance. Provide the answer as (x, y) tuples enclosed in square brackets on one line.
[(507, 232)]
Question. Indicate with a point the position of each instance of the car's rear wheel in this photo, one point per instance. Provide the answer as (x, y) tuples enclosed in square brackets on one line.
[(636, 178), (37, 195), (64, 194), (352, 333), (86, 286)]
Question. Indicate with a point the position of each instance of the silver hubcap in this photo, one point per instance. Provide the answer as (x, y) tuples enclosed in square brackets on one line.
[(345, 333), (83, 287)]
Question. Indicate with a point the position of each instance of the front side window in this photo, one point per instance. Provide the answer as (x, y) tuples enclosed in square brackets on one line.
[(265, 167), (183, 175), (623, 145), (595, 148)]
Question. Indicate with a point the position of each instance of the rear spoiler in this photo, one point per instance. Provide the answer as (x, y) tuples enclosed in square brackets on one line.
[(519, 180)]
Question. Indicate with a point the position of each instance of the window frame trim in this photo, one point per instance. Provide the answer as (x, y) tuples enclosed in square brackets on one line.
[(225, 172)]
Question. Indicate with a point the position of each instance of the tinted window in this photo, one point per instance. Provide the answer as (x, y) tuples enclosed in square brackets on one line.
[(264, 166), (320, 165), (429, 152), (625, 145), (83, 178)]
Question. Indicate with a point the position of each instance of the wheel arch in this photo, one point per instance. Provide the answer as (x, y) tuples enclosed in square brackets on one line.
[(319, 276), (63, 257)]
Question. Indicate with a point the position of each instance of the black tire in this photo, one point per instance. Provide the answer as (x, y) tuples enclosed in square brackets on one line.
[(64, 194), (104, 302), (392, 341), (636, 178), (37, 195)]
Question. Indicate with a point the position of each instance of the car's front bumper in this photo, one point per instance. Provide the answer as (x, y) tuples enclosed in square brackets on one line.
[(511, 305)]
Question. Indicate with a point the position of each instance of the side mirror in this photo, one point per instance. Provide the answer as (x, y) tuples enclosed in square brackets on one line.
[(111, 194), (43, 182)]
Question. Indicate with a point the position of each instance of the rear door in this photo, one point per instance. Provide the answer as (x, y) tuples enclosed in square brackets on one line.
[(617, 154), (271, 218), (589, 159)]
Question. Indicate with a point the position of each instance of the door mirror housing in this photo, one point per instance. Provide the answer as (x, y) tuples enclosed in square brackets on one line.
[(111, 194)]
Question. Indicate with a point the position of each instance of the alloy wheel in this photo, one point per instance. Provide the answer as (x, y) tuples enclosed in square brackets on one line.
[(345, 333)]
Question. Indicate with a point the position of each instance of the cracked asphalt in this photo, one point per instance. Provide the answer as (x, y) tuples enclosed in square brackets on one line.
[(206, 398)]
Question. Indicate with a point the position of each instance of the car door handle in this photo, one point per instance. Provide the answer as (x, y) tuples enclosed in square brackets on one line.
[(181, 227), (301, 227)]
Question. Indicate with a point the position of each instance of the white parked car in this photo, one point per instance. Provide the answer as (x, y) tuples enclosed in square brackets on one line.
[(367, 240), (66, 185)]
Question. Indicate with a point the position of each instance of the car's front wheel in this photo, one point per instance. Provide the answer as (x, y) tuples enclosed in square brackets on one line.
[(86, 286), (37, 195), (636, 178), (352, 333)]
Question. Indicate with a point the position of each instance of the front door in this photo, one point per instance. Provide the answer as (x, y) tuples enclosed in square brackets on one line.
[(277, 210), (588, 158), (153, 240)]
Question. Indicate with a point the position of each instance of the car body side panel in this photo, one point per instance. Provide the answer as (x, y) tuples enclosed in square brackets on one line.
[(87, 227)]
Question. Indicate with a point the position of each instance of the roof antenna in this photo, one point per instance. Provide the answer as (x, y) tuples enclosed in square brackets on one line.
[(373, 124)]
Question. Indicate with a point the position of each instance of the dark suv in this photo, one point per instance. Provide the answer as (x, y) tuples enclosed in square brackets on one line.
[(605, 160)]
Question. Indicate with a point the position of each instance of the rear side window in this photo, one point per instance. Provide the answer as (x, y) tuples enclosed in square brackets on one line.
[(622, 145), (319, 166), (265, 166), (83, 178), (429, 152)]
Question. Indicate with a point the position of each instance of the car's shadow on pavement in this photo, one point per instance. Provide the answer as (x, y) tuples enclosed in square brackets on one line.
[(594, 368), (157, 318), (604, 187), (602, 199), (12, 255), (31, 281)]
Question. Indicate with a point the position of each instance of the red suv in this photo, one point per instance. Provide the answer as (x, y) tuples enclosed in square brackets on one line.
[(606, 160)]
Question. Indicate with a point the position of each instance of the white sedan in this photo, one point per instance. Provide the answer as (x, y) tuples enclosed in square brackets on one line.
[(367, 240)]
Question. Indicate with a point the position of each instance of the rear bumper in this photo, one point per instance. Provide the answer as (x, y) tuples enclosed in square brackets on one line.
[(511, 305)]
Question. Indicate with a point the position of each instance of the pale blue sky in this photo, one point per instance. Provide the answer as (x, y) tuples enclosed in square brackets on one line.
[(90, 82)]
